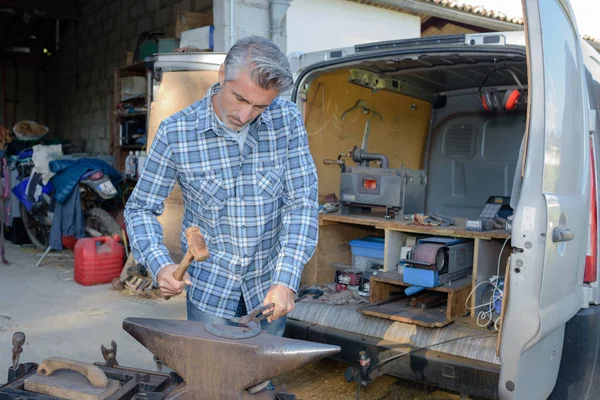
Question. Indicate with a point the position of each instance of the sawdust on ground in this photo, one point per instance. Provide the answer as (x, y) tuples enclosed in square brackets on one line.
[(324, 380)]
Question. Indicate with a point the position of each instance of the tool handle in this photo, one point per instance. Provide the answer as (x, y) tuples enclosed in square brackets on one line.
[(328, 161), (183, 266), (95, 375)]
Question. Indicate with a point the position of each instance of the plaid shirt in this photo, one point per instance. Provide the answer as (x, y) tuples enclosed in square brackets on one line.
[(257, 210)]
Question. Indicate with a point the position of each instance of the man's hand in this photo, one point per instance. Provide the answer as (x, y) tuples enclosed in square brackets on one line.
[(283, 297), (169, 286)]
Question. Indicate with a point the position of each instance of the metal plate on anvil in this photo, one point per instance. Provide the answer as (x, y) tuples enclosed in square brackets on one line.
[(233, 332)]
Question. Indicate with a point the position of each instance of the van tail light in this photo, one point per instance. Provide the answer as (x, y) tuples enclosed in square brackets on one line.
[(591, 259)]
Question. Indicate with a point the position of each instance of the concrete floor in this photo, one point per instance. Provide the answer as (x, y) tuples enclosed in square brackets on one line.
[(62, 318)]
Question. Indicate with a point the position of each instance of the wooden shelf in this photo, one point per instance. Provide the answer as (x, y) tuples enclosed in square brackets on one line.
[(447, 301), (139, 70), (132, 114), (458, 230)]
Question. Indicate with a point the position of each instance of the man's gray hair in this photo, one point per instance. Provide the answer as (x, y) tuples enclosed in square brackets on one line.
[(269, 68)]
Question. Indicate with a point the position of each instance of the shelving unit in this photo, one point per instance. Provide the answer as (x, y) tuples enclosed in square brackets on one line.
[(337, 230), (118, 149)]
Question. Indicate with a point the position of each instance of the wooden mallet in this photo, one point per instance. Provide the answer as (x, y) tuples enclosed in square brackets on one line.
[(196, 251)]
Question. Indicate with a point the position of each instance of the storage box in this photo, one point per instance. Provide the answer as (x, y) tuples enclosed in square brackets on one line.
[(200, 38), (367, 253)]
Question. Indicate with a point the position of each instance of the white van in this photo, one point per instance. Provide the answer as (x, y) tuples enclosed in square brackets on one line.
[(481, 142)]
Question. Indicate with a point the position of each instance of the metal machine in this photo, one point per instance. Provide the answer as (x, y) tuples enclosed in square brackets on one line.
[(400, 190), (436, 261)]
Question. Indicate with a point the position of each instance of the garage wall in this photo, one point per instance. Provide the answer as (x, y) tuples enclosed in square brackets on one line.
[(81, 75), (22, 91)]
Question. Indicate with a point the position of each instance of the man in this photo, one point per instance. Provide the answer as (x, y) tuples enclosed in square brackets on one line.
[(249, 183)]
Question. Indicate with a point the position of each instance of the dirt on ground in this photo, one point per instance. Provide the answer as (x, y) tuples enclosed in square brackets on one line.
[(324, 380)]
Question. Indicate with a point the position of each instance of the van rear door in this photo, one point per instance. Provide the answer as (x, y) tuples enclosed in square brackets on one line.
[(550, 224)]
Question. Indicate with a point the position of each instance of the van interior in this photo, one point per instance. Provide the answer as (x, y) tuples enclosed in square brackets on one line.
[(425, 113)]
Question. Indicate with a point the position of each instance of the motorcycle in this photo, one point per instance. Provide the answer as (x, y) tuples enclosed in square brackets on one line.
[(37, 203)]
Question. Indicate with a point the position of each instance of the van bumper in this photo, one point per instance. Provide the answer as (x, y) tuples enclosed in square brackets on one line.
[(465, 376), (578, 376)]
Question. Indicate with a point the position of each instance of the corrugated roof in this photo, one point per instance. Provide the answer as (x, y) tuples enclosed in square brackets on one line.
[(470, 9)]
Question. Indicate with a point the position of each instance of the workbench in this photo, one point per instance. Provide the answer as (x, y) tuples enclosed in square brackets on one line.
[(336, 230)]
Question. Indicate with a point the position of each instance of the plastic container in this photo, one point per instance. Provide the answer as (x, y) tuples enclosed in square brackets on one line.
[(130, 165), (98, 260), (141, 161), (367, 252)]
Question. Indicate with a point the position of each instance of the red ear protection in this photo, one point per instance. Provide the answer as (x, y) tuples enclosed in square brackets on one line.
[(490, 98), (511, 98)]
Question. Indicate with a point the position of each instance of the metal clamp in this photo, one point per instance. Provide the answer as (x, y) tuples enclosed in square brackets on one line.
[(110, 354)]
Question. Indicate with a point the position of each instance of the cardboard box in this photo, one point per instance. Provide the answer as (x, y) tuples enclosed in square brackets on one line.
[(191, 20)]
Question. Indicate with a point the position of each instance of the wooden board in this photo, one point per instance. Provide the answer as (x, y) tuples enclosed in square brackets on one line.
[(401, 136), (504, 305), (394, 241), (458, 230), (69, 385), (177, 91), (400, 311)]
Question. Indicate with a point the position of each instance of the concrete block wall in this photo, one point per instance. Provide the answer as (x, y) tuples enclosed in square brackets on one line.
[(81, 76)]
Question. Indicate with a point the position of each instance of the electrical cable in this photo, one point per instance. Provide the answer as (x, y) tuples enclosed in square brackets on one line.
[(487, 315)]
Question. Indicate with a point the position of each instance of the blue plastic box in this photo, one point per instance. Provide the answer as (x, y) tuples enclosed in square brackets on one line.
[(367, 251)]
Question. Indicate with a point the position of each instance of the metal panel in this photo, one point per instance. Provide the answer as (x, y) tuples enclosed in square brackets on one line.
[(546, 273)]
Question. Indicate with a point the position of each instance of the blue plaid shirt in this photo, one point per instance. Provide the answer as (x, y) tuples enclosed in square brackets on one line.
[(257, 210)]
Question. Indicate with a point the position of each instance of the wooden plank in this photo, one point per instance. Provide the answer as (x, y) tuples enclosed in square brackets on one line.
[(66, 384), (457, 303), (473, 302), (401, 311), (504, 304), (328, 135), (380, 290), (458, 230), (177, 91)]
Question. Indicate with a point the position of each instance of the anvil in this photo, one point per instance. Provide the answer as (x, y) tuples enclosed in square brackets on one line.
[(214, 367)]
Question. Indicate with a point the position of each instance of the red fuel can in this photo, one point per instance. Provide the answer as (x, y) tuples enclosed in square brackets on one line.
[(98, 260)]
